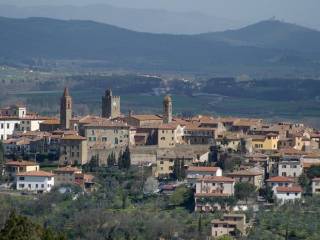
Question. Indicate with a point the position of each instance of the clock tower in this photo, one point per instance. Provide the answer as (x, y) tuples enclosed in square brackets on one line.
[(110, 105)]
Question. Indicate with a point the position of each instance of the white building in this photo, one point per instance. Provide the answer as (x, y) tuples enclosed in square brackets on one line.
[(290, 168), (37, 181), (284, 194), (31, 123), (316, 186), (7, 126)]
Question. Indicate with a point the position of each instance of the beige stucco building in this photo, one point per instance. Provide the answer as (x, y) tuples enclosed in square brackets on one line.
[(65, 175), (169, 135), (145, 120), (212, 187), (251, 176)]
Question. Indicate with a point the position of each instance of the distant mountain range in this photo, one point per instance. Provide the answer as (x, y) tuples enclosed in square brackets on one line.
[(142, 20), (265, 44)]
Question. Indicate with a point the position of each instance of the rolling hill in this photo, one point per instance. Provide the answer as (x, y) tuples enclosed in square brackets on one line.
[(34, 38), (271, 34), (142, 20)]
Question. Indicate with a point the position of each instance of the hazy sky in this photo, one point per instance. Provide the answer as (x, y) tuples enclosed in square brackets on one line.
[(305, 12)]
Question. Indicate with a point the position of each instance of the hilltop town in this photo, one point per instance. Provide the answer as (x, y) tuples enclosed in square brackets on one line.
[(228, 167)]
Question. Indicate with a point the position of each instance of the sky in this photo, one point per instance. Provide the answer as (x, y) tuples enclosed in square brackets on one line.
[(303, 12)]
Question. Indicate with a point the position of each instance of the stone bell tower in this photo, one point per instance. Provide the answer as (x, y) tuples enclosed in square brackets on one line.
[(65, 109), (110, 105), (167, 109)]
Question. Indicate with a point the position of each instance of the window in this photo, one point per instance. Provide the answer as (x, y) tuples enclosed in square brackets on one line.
[(42, 185), (161, 162), (36, 185), (104, 139), (8, 125), (284, 166), (29, 185), (21, 178), (21, 185), (1, 125), (284, 174), (287, 194), (296, 194)]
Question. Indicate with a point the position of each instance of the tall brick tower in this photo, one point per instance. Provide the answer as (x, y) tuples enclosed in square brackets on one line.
[(167, 109), (110, 105), (65, 109)]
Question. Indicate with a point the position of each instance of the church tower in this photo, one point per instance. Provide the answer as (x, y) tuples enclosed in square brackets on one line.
[(110, 105), (65, 109), (167, 109)]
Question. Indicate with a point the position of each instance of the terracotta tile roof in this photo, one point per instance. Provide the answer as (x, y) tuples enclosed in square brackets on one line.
[(258, 137), (36, 174), (216, 221), (73, 137), (249, 172), (290, 151), (146, 117), (107, 123), (67, 170), (203, 169), (21, 163), (54, 121), (293, 189), (280, 179), (215, 179), (169, 126), (309, 165)]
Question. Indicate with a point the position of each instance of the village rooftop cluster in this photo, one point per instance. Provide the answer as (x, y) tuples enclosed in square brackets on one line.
[(193, 151)]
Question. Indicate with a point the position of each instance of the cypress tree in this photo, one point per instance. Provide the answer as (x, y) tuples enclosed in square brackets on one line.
[(120, 160), (182, 170)]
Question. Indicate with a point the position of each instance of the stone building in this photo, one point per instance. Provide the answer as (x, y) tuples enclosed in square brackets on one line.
[(107, 134), (65, 109), (229, 225), (73, 150), (110, 105)]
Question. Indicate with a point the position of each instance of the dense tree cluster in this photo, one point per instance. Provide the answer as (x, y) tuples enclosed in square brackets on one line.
[(299, 220), (20, 227)]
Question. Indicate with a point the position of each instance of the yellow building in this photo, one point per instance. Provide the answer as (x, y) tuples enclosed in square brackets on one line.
[(14, 167), (267, 142)]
